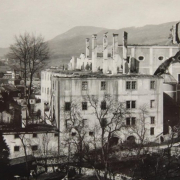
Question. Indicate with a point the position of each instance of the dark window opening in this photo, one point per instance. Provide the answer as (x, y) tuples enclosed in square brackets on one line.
[(67, 106), (128, 84), (152, 120), (160, 58), (34, 148), (16, 148), (141, 58), (84, 105), (151, 131), (56, 134), (133, 120), (103, 85), (152, 85), (131, 85), (179, 78), (128, 121), (73, 133), (133, 105), (16, 136), (34, 135), (103, 105), (91, 133), (128, 105)]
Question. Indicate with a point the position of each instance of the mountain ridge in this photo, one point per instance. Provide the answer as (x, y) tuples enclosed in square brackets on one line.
[(72, 42)]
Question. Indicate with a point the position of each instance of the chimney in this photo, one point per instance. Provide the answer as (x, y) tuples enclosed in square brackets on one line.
[(87, 47), (115, 45), (105, 46), (94, 42), (94, 52), (125, 37)]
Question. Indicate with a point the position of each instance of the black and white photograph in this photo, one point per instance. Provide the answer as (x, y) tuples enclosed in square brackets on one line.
[(89, 90)]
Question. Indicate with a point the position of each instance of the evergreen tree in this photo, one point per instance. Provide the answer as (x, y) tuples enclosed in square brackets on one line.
[(4, 158)]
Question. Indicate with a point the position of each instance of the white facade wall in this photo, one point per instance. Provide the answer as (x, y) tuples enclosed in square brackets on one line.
[(30, 141), (45, 89), (70, 90)]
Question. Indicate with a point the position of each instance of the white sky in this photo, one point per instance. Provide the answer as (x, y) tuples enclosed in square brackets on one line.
[(53, 17)]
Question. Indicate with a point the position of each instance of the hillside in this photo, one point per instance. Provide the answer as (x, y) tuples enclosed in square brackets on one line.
[(72, 42)]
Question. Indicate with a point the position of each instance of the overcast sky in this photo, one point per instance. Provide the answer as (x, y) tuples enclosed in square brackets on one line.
[(53, 17)]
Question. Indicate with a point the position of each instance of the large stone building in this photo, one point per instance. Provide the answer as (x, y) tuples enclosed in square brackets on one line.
[(134, 91), (117, 67)]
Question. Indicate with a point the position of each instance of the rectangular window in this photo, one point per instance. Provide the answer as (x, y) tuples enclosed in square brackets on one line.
[(151, 131), (130, 104), (133, 120), (56, 134), (152, 104), (103, 105), (152, 85), (34, 135), (91, 133), (16, 136), (131, 85), (73, 133), (103, 85), (128, 121), (84, 105), (152, 120), (179, 78), (67, 106), (48, 91), (84, 85), (128, 84), (34, 147), (16, 148), (133, 104)]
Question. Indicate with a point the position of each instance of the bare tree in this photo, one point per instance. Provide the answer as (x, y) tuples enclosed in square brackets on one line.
[(29, 53), (110, 115), (139, 129), (76, 130), (26, 144)]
